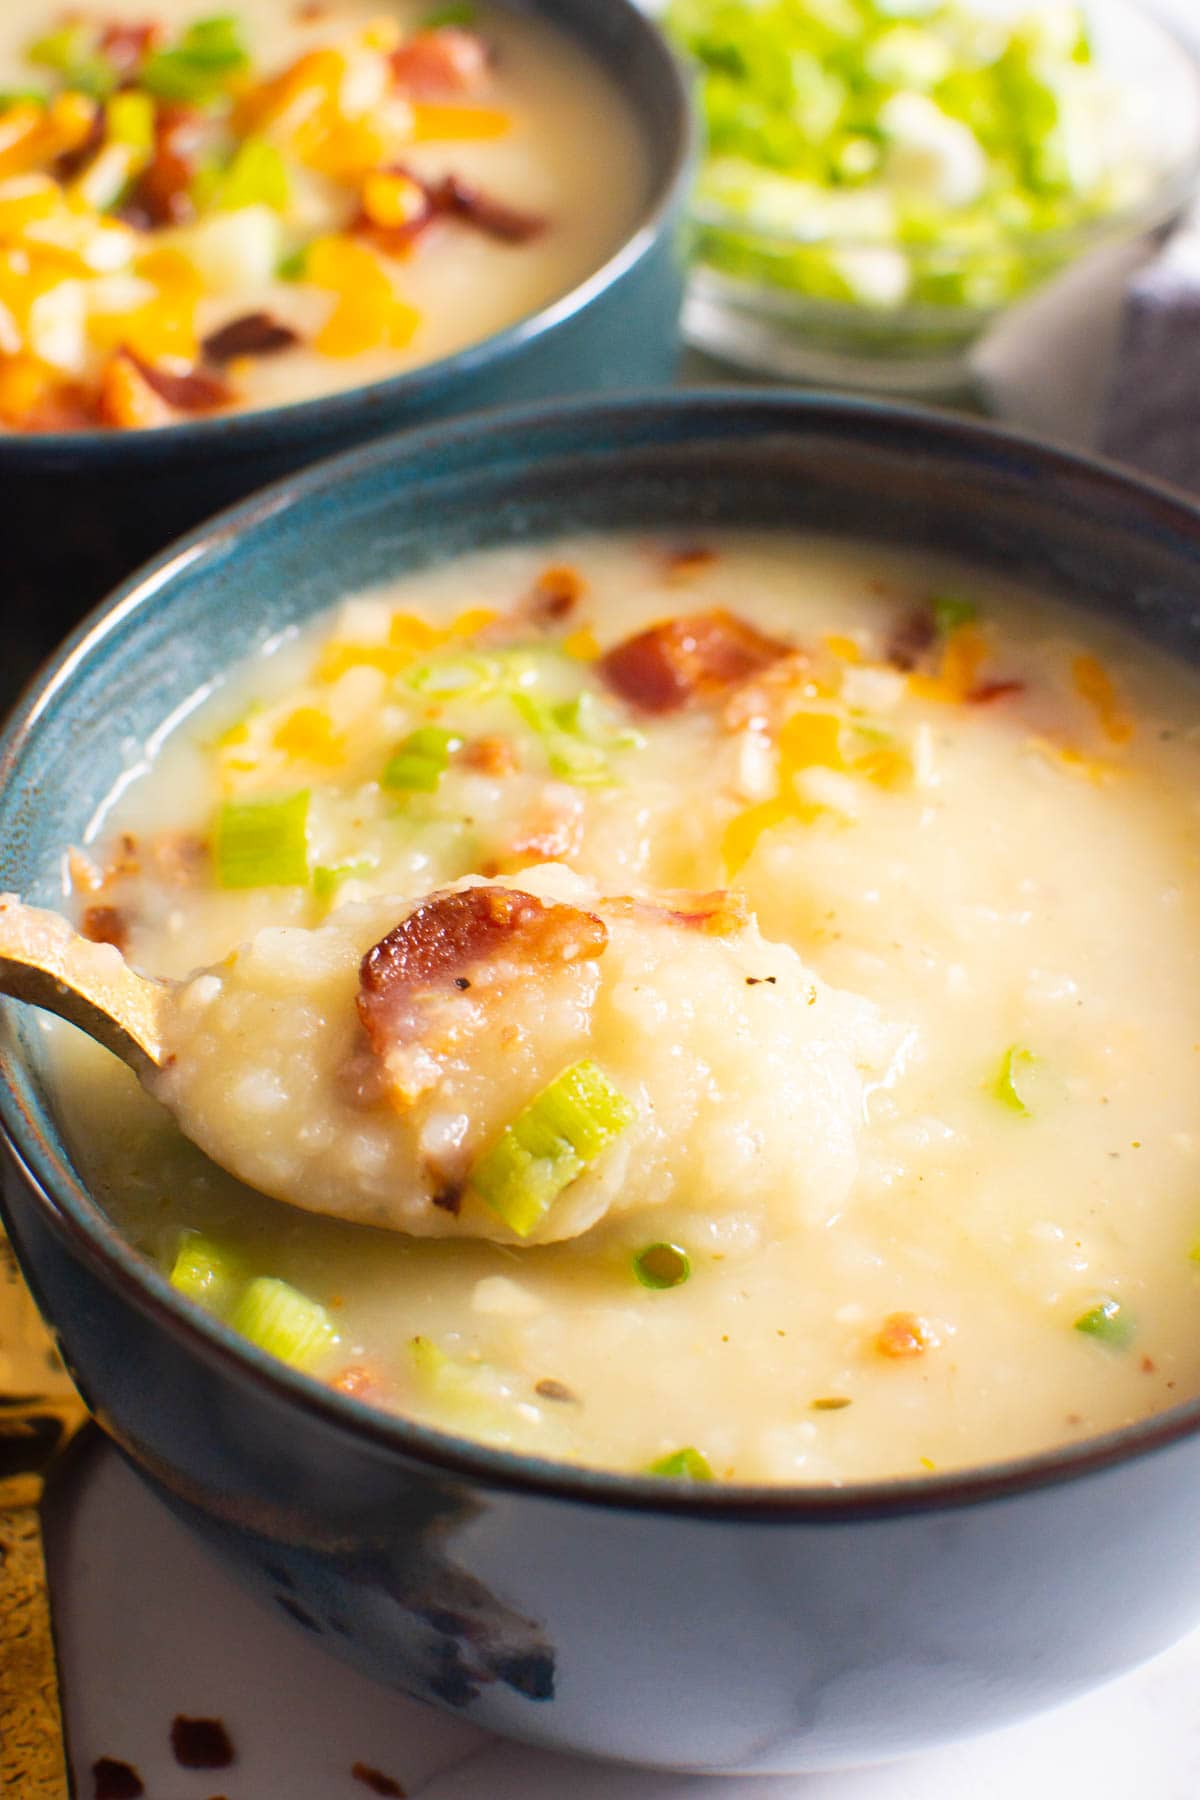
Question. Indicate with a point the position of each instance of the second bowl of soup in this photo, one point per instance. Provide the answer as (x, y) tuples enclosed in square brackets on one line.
[(363, 215)]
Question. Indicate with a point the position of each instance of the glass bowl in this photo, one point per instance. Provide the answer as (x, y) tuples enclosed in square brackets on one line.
[(779, 302)]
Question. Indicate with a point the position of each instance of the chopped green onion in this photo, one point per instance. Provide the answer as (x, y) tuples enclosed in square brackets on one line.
[(1109, 1323), (421, 760), (284, 1322), (465, 677), (256, 176), (464, 13), (198, 68), (950, 611), (23, 97), (294, 266), (662, 1266), (207, 1272), (1013, 1078), (558, 1135), (327, 878), (688, 1464), (129, 119), (263, 843), (576, 736), (71, 52)]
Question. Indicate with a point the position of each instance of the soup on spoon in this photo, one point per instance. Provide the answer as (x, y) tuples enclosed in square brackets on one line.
[(203, 213)]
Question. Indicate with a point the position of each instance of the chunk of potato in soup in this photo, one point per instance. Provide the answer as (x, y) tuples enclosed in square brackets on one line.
[(205, 213), (867, 1111)]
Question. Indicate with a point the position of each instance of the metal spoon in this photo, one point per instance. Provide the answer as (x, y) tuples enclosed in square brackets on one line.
[(44, 962)]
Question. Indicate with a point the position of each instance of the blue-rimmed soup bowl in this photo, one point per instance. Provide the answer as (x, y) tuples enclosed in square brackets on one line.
[(704, 1627)]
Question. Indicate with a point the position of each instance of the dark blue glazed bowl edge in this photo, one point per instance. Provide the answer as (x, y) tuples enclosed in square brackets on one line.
[(79, 1221)]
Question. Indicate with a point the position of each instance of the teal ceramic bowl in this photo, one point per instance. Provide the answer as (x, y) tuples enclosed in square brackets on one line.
[(82, 509), (704, 1627)]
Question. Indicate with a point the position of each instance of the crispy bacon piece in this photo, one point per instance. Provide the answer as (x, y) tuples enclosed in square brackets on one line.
[(418, 982), (127, 45), (552, 832), (915, 634), (452, 198), (987, 691), (105, 925), (719, 914), (441, 61), (253, 334), (491, 756), (687, 561), (690, 659), (185, 391), (556, 592), (162, 194), (136, 395), (493, 217)]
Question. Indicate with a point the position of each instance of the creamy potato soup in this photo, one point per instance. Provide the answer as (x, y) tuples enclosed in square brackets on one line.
[(203, 212), (727, 1009)]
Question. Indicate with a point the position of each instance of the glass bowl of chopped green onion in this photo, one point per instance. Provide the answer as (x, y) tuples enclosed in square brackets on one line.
[(884, 179)]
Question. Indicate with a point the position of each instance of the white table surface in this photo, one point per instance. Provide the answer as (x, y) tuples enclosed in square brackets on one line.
[(151, 1627)]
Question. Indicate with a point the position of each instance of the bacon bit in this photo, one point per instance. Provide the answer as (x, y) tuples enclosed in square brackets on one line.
[(254, 334), (126, 46), (1148, 1365), (987, 691), (719, 914), (126, 400), (106, 925), (491, 756), (905, 1334), (449, 1196), (757, 705), (1094, 685), (162, 194), (180, 857), (450, 198), (360, 1382), (551, 834), (126, 858), (188, 391), (82, 874), (445, 61), (690, 560), (690, 659), (377, 1781), (555, 592), (911, 639), (407, 981), (504, 223), (310, 11)]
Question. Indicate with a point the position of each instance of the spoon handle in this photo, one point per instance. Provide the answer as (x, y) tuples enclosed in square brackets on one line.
[(33, 1762)]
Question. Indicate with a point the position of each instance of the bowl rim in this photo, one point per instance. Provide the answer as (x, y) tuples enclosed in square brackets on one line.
[(78, 1220), (1175, 184), (326, 414)]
